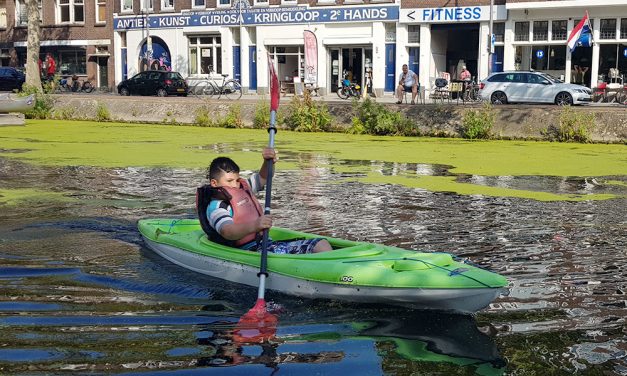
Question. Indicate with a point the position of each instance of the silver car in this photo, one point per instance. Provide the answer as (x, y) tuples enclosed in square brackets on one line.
[(531, 87)]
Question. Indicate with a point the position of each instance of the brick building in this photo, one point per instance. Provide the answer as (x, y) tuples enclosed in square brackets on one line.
[(76, 32)]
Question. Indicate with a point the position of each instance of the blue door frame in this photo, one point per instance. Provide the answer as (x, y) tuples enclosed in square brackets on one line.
[(237, 71), (252, 67), (390, 68)]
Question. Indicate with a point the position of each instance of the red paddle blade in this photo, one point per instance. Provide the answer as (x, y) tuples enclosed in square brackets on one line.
[(257, 325), (274, 86)]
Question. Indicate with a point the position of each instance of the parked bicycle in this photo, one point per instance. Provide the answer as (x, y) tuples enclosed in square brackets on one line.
[(64, 85), (471, 92), (348, 89), (230, 88)]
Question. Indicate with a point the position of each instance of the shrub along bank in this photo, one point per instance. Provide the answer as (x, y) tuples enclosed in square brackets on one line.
[(564, 124)]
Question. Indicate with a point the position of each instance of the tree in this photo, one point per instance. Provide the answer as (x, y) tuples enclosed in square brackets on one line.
[(33, 78)]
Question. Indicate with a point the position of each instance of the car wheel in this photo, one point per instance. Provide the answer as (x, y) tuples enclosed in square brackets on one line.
[(124, 91), (161, 92), (563, 99), (498, 97)]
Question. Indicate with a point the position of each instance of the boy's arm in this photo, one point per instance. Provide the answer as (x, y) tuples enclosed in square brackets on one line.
[(236, 231), (267, 154)]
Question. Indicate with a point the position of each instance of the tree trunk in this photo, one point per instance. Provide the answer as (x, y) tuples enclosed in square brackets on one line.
[(33, 74)]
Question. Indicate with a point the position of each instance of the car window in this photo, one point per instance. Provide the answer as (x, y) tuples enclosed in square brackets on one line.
[(139, 76), (154, 76), (174, 76), (534, 78), (497, 78)]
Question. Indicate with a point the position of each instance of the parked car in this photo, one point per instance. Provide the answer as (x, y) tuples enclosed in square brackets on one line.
[(11, 79), (160, 83), (531, 87)]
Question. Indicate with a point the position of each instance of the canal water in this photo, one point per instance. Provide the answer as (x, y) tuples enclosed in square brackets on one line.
[(81, 294)]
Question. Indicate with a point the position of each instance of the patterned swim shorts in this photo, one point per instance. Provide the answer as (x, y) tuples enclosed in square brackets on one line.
[(293, 247)]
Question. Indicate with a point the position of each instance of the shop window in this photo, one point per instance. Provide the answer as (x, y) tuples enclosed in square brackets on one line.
[(413, 32), (623, 28), (71, 62), (613, 63), (198, 4), (558, 30), (521, 31), (71, 11), (167, 4), (127, 6), (498, 29), (608, 28), (549, 59), (540, 30), (205, 54), (21, 13), (101, 11)]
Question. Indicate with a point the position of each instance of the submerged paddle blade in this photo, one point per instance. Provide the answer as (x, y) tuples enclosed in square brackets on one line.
[(257, 325)]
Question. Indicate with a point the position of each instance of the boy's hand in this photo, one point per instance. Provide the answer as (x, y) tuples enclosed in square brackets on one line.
[(269, 153), (263, 222)]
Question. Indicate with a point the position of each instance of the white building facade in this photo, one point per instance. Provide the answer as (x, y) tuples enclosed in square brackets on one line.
[(354, 40)]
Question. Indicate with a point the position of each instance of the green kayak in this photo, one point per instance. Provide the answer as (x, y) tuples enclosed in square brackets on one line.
[(353, 271)]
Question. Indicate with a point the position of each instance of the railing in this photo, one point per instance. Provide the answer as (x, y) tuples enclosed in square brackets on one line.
[(521, 37), (540, 36), (608, 34), (558, 35)]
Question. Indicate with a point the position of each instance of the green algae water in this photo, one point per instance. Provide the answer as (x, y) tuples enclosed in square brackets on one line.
[(79, 293)]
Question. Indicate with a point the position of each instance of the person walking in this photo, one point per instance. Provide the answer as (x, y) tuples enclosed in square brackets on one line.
[(51, 67)]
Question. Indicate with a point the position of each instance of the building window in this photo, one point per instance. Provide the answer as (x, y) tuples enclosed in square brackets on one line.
[(21, 13), (198, 3), (127, 5), (205, 55), (224, 3), (499, 31), (261, 2), (413, 32), (101, 11), (549, 59), (558, 30), (608, 28), (71, 11), (521, 31), (167, 4), (540, 30), (71, 61), (284, 2), (623, 28)]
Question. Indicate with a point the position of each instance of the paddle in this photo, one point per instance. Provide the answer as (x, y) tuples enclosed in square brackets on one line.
[(259, 325)]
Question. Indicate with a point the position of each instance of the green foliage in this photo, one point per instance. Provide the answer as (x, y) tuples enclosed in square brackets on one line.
[(573, 126), (233, 118), (376, 119), (307, 115), (64, 113), (477, 124), (102, 112), (43, 103), (203, 117)]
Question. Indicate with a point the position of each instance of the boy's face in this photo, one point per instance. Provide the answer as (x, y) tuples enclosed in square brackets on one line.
[(227, 179)]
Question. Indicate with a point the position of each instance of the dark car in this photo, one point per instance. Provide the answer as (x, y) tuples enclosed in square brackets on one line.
[(11, 79), (160, 83)]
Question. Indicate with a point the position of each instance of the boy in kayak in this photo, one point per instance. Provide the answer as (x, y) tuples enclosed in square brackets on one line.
[(231, 215)]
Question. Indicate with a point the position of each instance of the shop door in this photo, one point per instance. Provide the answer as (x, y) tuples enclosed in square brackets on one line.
[(252, 67), (336, 64), (237, 71), (414, 59), (103, 74), (390, 56)]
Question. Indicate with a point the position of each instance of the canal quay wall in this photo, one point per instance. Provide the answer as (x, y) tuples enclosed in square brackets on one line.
[(521, 122)]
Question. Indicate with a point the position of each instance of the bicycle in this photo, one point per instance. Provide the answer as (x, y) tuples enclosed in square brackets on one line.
[(231, 88), (471, 92), (63, 86)]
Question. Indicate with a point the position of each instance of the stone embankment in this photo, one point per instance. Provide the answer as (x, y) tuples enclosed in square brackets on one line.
[(512, 121)]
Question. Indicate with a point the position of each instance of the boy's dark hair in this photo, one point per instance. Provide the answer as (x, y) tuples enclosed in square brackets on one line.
[(220, 166)]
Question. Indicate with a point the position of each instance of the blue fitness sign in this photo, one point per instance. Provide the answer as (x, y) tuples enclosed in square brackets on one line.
[(260, 16)]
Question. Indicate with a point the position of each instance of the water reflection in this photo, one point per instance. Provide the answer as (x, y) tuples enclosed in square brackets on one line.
[(76, 280)]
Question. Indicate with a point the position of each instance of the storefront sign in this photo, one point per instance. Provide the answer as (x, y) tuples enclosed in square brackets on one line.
[(539, 54), (452, 14), (261, 16)]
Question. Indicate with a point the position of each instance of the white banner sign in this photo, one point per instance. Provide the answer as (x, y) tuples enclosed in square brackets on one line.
[(452, 14)]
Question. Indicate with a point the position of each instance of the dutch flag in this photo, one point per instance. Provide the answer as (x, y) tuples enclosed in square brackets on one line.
[(581, 34)]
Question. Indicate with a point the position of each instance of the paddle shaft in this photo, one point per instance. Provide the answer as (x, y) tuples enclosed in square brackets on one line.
[(263, 268)]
